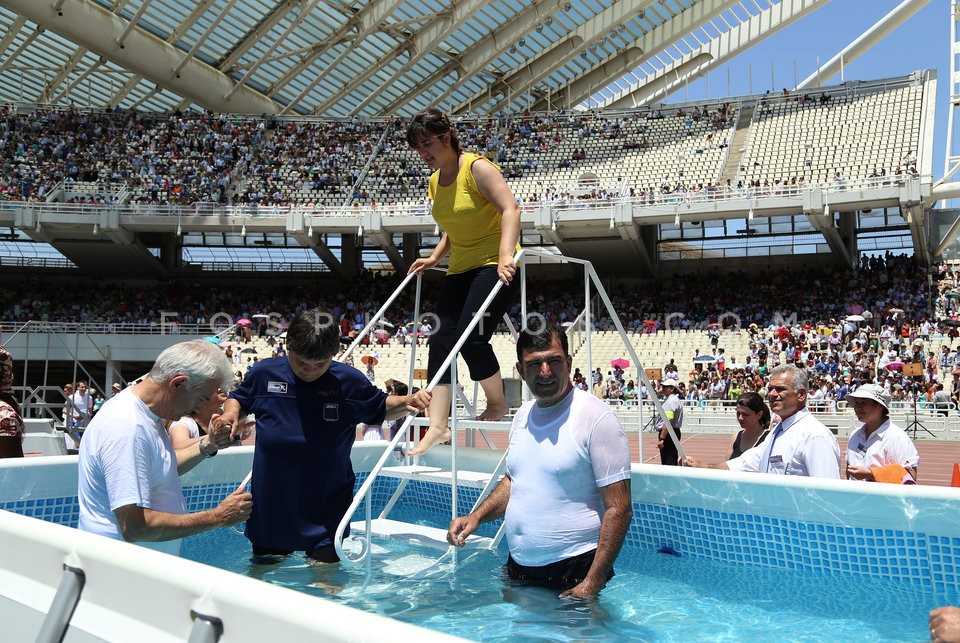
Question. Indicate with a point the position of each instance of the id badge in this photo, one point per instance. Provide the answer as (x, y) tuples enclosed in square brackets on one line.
[(331, 412), (777, 465)]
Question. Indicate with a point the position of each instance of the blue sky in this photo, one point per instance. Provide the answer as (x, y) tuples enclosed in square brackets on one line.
[(922, 42)]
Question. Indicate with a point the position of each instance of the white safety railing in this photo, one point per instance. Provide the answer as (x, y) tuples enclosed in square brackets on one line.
[(364, 494)]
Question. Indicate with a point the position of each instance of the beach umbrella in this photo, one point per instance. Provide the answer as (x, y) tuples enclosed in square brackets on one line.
[(227, 344), (704, 359), (244, 321), (622, 363), (955, 371), (369, 360), (714, 327), (381, 334), (249, 350), (213, 339), (895, 366), (854, 318), (261, 316)]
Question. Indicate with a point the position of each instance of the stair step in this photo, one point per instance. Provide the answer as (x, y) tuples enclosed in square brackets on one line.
[(414, 534), (477, 479), (410, 471)]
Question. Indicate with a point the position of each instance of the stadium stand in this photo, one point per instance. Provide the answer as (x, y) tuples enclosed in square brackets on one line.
[(845, 133)]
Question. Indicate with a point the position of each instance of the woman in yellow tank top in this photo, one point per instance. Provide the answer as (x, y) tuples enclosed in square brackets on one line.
[(481, 229)]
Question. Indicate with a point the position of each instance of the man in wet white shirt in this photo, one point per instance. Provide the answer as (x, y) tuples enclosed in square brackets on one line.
[(566, 499)]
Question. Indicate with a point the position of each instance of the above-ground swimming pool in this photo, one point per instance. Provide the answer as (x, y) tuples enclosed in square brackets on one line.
[(709, 556)]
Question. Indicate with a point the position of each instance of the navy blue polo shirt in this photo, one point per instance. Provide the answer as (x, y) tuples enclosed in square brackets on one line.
[(302, 475)]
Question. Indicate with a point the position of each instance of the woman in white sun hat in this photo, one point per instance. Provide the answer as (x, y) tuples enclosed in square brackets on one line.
[(879, 442)]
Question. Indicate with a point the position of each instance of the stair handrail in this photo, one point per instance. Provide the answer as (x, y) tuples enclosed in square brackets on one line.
[(364, 493), (365, 489)]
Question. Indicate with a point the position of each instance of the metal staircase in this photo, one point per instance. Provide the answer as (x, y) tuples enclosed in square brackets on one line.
[(382, 526)]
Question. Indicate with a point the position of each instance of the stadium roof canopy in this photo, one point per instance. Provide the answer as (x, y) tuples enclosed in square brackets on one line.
[(340, 59)]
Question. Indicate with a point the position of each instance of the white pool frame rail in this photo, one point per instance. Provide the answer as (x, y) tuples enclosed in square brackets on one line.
[(57, 583), (365, 491)]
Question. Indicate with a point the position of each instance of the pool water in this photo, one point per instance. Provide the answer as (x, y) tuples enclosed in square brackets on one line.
[(654, 597)]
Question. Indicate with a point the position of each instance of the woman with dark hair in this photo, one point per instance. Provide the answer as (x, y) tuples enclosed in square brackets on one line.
[(753, 415), (481, 230), (11, 420)]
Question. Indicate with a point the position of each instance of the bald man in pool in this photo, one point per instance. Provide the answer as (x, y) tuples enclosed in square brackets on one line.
[(566, 497)]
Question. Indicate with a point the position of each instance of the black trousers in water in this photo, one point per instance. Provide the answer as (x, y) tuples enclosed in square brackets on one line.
[(562, 575), (460, 297)]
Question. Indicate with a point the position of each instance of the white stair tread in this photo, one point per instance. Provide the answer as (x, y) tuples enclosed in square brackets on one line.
[(411, 533), (407, 470), (436, 474), (464, 478)]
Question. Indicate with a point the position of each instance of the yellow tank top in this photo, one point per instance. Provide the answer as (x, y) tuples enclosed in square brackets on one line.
[(471, 222)]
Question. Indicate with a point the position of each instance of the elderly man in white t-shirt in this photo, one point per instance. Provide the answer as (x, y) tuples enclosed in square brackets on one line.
[(128, 470), (800, 445), (568, 479)]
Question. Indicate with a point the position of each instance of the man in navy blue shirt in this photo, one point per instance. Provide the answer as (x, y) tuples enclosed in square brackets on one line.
[(307, 408)]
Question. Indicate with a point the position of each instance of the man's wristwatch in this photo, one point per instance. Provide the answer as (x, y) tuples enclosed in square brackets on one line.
[(203, 449)]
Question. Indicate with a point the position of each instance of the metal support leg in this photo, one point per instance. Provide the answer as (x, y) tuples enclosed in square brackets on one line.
[(206, 629), (64, 603)]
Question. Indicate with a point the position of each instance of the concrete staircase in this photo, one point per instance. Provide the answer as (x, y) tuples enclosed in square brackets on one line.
[(740, 133)]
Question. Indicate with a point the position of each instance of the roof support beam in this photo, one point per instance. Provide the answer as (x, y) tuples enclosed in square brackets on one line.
[(476, 58), (585, 86), (726, 46), (553, 58), (367, 22), (420, 44), (880, 30), (96, 28), (9, 37)]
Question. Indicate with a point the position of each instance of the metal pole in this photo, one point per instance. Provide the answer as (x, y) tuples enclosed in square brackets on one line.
[(453, 447), (587, 323), (64, 603)]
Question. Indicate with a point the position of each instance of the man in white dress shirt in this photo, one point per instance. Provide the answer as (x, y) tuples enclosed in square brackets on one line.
[(800, 445)]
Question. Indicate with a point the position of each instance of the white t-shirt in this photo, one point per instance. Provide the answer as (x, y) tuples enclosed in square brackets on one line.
[(82, 404), (559, 458), (126, 458), (193, 429), (804, 447), (889, 444)]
